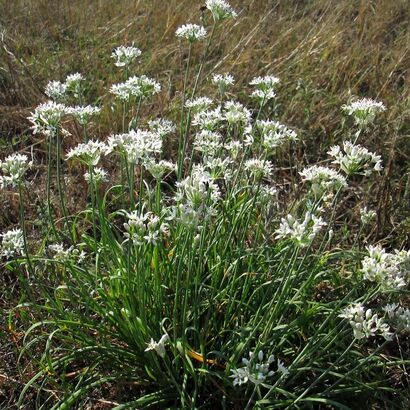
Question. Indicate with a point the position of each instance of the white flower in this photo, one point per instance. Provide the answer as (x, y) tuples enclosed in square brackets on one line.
[(255, 370), (161, 126), (302, 232), (60, 253), (233, 148), (198, 104), (366, 216), (73, 84), (144, 86), (12, 243), (223, 81), (364, 110), (398, 316), (265, 194), (89, 152), (98, 175), (390, 310), (137, 145), (191, 32), (185, 215), (265, 87), (122, 91), (220, 9), (240, 376), (198, 189), (145, 228), (158, 347), (73, 80), (125, 55), (274, 134), (264, 83), (208, 142), (282, 369), (364, 323), (83, 114), (218, 167), (355, 159), (258, 168), (208, 119), (236, 113), (137, 87), (13, 168), (323, 179), (390, 270), (46, 117), (158, 169), (56, 90)]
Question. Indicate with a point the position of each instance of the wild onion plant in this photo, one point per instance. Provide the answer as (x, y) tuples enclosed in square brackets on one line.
[(203, 282)]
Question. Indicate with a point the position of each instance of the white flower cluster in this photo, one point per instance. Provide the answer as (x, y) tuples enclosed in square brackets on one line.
[(89, 153), (136, 87), (208, 142), (398, 316), (355, 159), (97, 175), (390, 270), (73, 80), (198, 104), (208, 119), (220, 9), (236, 114), (83, 114), (162, 126), (366, 216), (125, 55), (13, 168), (62, 254), (223, 81), (274, 134), (158, 347), (258, 168), (191, 32), (46, 117), (255, 370), (159, 168), (364, 110), (12, 243), (265, 87), (323, 179), (302, 232), (198, 189), (137, 145), (58, 91), (218, 167), (145, 228), (365, 324)]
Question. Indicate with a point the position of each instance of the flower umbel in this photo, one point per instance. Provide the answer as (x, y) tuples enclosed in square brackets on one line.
[(13, 168), (255, 370), (125, 55), (364, 110), (12, 243), (355, 159), (191, 32), (220, 9), (159, 346)]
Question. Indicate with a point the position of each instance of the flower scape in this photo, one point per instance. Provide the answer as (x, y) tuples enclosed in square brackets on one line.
[(188, 277)]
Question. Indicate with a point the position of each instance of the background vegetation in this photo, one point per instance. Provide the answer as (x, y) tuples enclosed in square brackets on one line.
[(323, 51)]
